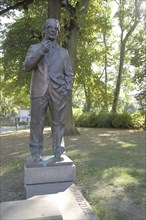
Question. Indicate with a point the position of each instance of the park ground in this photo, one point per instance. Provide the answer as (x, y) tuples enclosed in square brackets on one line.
[(110, 168)]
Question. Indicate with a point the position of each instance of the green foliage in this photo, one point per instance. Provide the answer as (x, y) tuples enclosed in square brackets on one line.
[(77, 112), (122, 120), (97, 44), (92, 50), (87, 119), (48, 119), (108, 119), (105, 119), (17, 38), (137, 49), (138, 120), (23, 123)]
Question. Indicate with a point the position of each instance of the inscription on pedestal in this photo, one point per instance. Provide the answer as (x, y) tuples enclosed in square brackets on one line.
[(81, 201), (74, 206)]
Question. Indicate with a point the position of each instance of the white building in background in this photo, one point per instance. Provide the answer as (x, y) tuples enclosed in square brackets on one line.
[(24, 115)]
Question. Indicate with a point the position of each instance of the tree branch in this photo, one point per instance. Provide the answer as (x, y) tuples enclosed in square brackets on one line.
[(137, 20), (23, 3)]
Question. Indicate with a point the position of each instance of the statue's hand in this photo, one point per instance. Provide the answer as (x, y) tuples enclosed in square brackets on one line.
[(46, 45)]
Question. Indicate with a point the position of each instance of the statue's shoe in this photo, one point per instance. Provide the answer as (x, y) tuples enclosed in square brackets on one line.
[(37, 158), (59, 152)]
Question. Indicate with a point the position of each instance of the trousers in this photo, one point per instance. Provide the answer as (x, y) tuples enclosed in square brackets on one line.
[(56, 102)]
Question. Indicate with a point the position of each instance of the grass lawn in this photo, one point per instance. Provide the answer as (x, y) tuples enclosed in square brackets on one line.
[(110, 169)]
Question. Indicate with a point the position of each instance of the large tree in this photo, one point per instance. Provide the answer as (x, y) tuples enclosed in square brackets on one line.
[(71, 14), (129, 14), (93, 55)]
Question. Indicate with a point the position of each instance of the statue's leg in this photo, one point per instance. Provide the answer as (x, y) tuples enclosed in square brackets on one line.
[(57, 107), (38, 115)]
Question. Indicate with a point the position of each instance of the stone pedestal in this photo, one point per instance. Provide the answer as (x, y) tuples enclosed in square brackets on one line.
[(67, 205), (36, 208), (49, 176)]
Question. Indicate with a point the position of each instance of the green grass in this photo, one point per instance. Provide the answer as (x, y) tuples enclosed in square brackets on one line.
[(110, 167)]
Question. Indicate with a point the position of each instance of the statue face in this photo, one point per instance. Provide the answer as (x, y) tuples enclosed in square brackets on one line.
[(51, 29)]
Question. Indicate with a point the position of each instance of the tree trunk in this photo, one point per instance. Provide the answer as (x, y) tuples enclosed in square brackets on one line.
[(119, 79), (122, 56), (124, 40), (70, 128), (54, 9), (72, 49), (105, 71), (71, 45)]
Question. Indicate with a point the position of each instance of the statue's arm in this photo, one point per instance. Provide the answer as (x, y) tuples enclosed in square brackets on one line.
[(33, 58), (68, 72)]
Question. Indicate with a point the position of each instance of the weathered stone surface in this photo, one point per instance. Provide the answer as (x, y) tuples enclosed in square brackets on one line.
[(48, 188), (49, 179), (73, 205), (38, 175), (67, 205), (48, 161), (36, 208)]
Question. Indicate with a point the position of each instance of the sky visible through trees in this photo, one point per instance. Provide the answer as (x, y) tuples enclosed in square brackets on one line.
[(101, 37)]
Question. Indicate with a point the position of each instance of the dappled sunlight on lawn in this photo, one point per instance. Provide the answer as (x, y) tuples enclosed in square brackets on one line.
[(119, 190), (110, 170), (125, 144), (119, 176), (104, 135), (110, 166), (74, 139)]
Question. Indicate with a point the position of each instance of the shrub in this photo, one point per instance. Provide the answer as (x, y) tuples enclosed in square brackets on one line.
[(108, 120), (86, 119), (104, 120), (48, 119), (138, 120), (76, 113), (23, 123), (122, 120)]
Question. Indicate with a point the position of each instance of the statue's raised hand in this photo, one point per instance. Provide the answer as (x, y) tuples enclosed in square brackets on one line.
[(46, 45)]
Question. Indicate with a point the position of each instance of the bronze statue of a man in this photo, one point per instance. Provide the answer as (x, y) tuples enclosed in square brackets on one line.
[(52, 79)]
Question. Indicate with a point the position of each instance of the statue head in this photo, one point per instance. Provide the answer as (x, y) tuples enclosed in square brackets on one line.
[(51, 28)]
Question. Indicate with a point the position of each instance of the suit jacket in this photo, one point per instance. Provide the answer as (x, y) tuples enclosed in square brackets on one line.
[(55, 66)]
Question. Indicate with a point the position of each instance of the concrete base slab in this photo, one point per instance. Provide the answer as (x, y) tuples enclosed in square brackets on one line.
[(48, 188), (67, 205), (36, 208)]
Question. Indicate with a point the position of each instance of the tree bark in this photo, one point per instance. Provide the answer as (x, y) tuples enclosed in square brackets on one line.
[(71, 46), (70, 128), (54, 9), (105, 71), (119, 79)]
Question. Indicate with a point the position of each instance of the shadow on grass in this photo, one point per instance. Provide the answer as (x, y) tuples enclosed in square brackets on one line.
[(13, 153), (110, 169)]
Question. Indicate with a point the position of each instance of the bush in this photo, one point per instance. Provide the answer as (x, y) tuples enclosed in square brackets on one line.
[(104, 120), (76, 113), (108, 120), (138, 120), (122, 120), (23, 123), (48, 119), (86, 119)]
